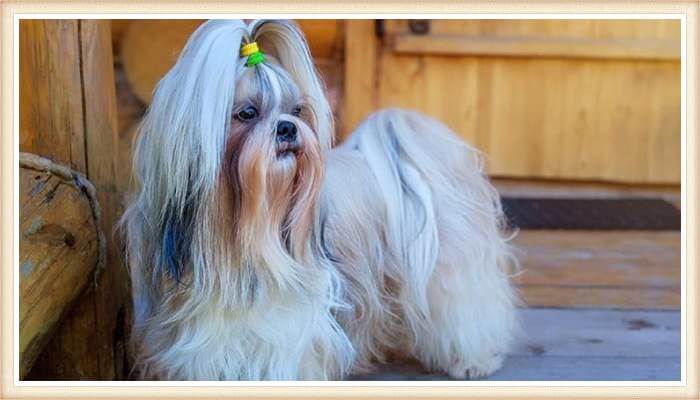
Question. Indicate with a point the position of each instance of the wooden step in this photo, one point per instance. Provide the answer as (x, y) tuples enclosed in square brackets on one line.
[(607, 345), (601, 269)]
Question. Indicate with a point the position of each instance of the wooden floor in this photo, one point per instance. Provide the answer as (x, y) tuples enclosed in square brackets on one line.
[(601, 305)]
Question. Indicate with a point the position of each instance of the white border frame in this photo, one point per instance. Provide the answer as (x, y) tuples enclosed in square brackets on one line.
[(630, 16)]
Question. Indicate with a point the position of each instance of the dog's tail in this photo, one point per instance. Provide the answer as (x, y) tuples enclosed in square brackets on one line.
[(400, 166), (421, 167)]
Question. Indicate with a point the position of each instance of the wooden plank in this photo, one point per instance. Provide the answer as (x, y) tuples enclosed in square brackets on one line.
[(536, 47), (551, 118), (600, 258), (51, 115), (91, 342), (449, 91), (578, 345), (59, 250), (555, 109), (360, 73), (600, 297), (610, 269), (111, 293), (529, 368), (573, 119), (599, 333), (549, 28), (533, 368)]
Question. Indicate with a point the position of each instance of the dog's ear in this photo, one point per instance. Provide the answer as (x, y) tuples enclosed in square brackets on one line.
[(182, 138), (284, 41)]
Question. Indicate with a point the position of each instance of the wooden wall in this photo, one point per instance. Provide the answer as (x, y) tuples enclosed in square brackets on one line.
[(556, 99), (68, 114), (576, 99)]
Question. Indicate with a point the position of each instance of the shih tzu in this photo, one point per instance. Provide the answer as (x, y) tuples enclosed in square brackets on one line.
[(257, 251)]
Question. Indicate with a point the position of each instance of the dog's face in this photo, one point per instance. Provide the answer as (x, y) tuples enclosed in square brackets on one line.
[(273, 156), (271, 113), (229, 160)]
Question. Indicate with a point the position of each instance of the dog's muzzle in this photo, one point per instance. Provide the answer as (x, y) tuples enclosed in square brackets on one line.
[(287, 143)]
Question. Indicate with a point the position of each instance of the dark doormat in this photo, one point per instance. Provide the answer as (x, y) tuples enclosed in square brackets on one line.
[(592, 214)]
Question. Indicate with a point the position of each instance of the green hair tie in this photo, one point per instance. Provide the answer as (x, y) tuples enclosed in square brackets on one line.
[(255, 59), (255, 56)]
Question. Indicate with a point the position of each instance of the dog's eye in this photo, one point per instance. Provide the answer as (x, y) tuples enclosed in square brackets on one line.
[(297, 111), (247, 114)]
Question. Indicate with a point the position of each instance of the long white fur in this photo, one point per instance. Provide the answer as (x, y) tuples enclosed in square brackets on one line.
[(392, 242)]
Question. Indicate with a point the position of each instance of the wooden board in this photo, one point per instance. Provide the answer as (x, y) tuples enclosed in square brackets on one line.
[(60, 248), (543, 28), (607, 39), (615, 117), (90, 342), (600, 258), (361, 50), (533, 368), (608, 269), (565, 119), (471, 45), (599, 333), (51, 117), (112, 297), (580, 345), (600, 297)]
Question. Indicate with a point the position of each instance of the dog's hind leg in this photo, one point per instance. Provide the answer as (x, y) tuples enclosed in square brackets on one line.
[(471, 304)]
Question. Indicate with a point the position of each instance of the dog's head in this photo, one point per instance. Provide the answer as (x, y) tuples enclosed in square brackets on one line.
[(229, 157)]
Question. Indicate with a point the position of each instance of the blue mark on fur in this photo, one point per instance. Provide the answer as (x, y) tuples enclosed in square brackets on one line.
[(170, 251), (177, 238)]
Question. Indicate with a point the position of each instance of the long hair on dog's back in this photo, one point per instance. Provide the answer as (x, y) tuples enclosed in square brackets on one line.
[(220, 228)]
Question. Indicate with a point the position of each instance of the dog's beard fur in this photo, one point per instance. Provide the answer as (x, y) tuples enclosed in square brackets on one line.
[(268, 193), (245, 261)]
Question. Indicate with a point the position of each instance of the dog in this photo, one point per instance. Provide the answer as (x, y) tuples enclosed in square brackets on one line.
[(258, 251)]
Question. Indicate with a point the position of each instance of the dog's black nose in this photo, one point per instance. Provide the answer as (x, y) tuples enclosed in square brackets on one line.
[(286, 131)]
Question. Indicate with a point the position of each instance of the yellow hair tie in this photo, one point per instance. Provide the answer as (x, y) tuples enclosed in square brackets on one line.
[(249, 49), (255, 56)]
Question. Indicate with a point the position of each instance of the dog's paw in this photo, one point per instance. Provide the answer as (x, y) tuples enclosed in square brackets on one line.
[(475, 369)]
